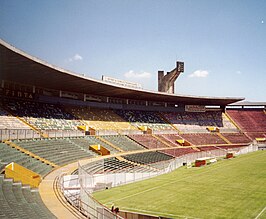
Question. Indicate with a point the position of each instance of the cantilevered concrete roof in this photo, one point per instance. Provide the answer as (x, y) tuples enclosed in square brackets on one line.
[(17, 66)]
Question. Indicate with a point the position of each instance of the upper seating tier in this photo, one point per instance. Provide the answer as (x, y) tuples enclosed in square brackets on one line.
[(188, 122), (249, 120), (149, 119), (44, 116)]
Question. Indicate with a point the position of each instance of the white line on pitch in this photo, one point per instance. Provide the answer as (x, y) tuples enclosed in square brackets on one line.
[(260, 213), (174, 181)]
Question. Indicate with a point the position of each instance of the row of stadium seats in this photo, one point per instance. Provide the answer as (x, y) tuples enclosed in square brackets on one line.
[(236, 137), (203, 138), (198, 122), (44, 116), (8, 155), (123, 142), (101, 119), (249, 120), (148, 157), (144, 118), (10, 122), (66, 150), (19, 201), (126, 163), (148, 141), (179, 151), (58, 151)]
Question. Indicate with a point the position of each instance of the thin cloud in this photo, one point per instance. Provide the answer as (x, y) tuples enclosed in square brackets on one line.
[(76, 57), (239, 72), (199, 74), (132, 74)]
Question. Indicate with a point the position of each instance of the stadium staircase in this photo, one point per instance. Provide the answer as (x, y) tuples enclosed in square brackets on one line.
[(109, 143), (231, 120), (124, 142), (224, 138), (168, 122), (161, 140), (25, 122), (33, 127)]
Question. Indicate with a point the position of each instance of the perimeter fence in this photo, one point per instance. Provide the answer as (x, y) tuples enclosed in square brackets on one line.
[(92, 177)]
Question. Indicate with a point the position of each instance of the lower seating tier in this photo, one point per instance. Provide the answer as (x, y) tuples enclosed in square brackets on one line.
[(8, 155), (18, 201)]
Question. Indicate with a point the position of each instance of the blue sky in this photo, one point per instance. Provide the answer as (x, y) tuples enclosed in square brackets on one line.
[(223, 43)]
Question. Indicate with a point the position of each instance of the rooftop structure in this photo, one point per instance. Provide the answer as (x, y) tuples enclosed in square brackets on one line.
[(36, 73), (166, 82)]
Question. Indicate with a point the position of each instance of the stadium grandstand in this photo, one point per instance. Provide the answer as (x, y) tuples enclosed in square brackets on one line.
[(64, 136)]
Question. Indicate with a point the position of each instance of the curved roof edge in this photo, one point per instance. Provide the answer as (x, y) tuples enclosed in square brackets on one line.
[(35, 72)]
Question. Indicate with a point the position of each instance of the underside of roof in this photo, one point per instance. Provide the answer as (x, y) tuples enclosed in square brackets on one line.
[(19, 67)]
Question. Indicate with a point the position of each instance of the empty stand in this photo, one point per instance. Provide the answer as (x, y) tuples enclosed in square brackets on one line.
[(148, 141), (237, 138), (58, 151), (43, 116), (203, 138), (18, 201), (254, 135), (249, 120), (148, 157), (8, 121), (179, 151), (102, 119), (8, 155), (123, 142), (198, 122), (149, 119), (92, 140), (171, 138)]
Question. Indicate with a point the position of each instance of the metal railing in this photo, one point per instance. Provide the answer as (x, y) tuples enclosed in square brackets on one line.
[(82, 201), (81, 197), (16, 134)]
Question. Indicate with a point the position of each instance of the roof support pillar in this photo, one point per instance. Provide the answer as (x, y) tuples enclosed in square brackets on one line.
[(3, 84), (84, 97), (60, 93)]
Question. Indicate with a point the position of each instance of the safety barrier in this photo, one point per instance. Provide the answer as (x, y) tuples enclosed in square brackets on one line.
[(81, 200), (16, 134), (86, 182)]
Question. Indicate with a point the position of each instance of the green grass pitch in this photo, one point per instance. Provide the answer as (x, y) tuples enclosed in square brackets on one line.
[(233, 188)]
